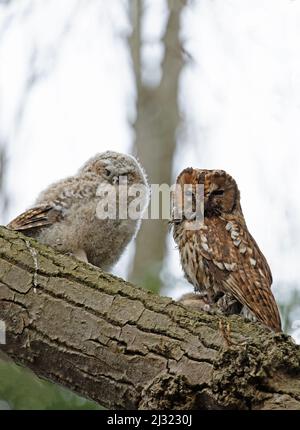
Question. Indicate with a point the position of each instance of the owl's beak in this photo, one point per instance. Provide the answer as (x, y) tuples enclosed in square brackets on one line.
[(175, 221)]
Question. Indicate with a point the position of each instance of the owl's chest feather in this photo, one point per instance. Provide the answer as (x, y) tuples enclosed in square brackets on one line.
[(193, 263)]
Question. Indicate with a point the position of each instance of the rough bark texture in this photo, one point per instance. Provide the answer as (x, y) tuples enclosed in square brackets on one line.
[(127, 348), (158, 119)]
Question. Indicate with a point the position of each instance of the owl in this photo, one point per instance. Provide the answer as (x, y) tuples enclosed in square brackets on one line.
[(66, 215), (220, 258)]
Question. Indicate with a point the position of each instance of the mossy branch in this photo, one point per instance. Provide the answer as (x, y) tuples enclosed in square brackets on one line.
[(127, 348)]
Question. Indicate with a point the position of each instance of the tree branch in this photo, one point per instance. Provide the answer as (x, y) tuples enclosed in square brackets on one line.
[(127, 348)]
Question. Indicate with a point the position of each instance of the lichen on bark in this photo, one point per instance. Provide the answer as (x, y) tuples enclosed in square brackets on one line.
[(127, 348)]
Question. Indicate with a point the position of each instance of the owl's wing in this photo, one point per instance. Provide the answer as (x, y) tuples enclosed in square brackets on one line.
[(236, 262), (44, 214), (35, 218)]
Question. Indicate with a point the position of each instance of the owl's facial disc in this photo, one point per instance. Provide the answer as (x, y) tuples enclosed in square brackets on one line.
[(188, 197), (110, 166), (221, 193)]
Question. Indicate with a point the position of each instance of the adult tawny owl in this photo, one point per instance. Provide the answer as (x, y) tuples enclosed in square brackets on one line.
[(66, 215), (221, 258)]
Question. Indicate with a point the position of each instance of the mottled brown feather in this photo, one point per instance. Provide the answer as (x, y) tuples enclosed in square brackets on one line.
[(222, 256), (35, 218), (246, 283)]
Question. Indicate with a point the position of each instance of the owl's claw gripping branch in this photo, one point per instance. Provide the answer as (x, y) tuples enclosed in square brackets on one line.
[(127, 348)]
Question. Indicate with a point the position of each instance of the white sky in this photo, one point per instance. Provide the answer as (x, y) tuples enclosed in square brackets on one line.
[(240, 98)]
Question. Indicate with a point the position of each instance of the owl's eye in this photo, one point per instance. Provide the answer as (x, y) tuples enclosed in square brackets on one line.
[(218, 193), (107, 173), (111, 176)]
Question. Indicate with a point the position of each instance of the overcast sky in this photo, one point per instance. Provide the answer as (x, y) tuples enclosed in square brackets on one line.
[(240, 98)]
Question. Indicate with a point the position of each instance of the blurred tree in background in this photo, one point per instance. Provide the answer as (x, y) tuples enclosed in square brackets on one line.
[(290, 310), (156, 125)]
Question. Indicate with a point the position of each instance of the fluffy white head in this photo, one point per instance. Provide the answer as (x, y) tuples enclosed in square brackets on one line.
[(112, 164)]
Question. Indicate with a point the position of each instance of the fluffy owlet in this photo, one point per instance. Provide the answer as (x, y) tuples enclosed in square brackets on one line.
[(221, 258), (66, 215)]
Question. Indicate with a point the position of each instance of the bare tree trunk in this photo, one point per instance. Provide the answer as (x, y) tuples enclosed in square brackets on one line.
[(127, 348), (156, 125)]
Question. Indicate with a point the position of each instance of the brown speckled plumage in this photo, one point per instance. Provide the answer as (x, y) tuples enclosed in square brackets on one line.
[(221, 259)]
